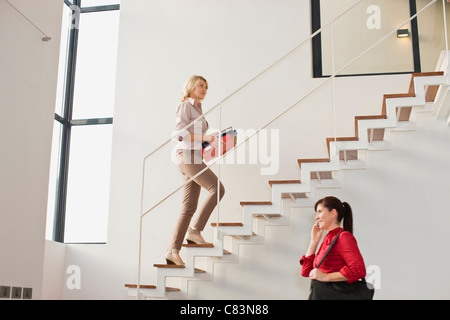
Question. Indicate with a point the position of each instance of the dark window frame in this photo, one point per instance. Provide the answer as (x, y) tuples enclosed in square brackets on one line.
[(67, 122)]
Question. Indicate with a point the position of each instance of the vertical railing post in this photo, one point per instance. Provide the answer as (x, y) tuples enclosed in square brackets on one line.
[(219, 161), (333, 83), (444, 16)]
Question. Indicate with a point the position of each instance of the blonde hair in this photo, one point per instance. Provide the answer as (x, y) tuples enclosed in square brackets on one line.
[(190, 85)]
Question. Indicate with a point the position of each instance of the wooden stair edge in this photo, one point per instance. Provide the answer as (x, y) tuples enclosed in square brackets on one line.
[(300, 161), (362, 118), (272, 182), (148, 286), (173, 266), (142, 286), (371, 117), (332, 139), (227, 224), (258, 203), (422, 74), (193, 245), (170, 266)]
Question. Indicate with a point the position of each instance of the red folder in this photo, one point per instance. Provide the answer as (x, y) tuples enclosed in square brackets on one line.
[(229, 138)]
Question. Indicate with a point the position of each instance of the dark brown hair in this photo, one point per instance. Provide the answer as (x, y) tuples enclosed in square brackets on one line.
[(343, 209)]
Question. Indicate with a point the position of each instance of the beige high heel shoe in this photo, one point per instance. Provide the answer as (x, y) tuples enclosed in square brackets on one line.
[(172, 257), (194, 237)]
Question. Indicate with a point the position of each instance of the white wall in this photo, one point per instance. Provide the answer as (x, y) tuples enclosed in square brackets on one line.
[(28, 74)]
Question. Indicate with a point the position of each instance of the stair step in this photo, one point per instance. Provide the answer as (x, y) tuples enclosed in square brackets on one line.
[(193, 245), (148, 286), (394, 96), (290, 195), (333, 139), (300, 161), (260, 203), (257, 203), (227, 224), (375, 134), (317, 175), (196, 270), (142, 286), (170, 266), (431, 90), (272, 182)]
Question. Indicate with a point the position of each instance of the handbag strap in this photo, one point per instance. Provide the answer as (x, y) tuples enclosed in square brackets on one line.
[(329, 248)]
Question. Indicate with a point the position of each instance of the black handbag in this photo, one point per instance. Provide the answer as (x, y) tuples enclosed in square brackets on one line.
[(341, 290)]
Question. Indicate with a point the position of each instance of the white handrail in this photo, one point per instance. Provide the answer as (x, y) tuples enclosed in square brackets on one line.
[(46, 37)]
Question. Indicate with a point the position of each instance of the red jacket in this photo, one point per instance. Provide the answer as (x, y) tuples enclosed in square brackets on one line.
[(344, 257)]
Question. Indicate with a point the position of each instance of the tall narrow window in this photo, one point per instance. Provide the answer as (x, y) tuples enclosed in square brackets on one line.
[(79, 181)]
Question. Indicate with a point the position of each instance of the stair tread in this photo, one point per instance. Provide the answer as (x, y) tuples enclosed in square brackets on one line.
[(227, 224), (272, 182), (172, 266), (142, 286), (193, 245), (246, 203), (148, 286), (372, 117), (300, 161), (430, 94), (332, 139)]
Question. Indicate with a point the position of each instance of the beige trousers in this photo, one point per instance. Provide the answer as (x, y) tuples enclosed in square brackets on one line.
[(190, 163)]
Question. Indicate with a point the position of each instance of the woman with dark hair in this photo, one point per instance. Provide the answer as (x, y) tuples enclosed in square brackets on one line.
[(344, 262)]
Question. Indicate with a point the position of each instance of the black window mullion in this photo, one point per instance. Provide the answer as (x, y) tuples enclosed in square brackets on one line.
[(110, 7), (317, 39), (415, 36), (63, 173), (90, 122)]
